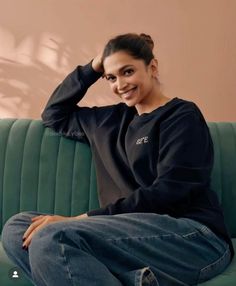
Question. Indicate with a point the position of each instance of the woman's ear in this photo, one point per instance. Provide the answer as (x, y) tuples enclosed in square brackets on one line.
[(154, 68)]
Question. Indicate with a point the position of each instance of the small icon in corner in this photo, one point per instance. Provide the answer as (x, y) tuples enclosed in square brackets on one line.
[(14, 273)]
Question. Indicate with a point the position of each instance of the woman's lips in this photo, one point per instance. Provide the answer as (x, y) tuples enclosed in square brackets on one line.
[(128, 94)]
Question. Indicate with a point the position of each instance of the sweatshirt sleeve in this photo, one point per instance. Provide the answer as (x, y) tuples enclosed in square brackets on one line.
[(184, 167), (62, 113)]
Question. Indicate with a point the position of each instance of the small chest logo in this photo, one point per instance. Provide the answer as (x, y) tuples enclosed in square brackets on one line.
[(142, 140)]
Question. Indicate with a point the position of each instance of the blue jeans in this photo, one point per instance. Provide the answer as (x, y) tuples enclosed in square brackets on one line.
[(136, 249)]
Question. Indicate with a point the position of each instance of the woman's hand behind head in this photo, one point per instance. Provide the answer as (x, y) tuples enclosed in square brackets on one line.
[(97, 63)]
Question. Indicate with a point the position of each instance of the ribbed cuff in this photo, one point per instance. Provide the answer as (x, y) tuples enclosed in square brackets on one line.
[(89, 75), (101, 211)]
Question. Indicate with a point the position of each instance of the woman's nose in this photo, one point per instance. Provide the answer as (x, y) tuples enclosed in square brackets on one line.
[(121, 84)]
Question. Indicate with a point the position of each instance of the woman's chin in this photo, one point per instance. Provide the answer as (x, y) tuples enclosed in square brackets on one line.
[(129, 103)]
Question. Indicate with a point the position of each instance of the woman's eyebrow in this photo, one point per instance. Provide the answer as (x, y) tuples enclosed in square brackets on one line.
[(119, 71)]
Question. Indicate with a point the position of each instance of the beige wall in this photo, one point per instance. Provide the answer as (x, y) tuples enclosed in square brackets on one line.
[(42, 40)]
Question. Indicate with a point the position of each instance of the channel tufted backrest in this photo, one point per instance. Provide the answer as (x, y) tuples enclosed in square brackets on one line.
[(224, 171), (42, 171)]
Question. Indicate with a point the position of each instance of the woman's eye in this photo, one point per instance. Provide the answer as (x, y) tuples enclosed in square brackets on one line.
[(128, 71), (110, 78)]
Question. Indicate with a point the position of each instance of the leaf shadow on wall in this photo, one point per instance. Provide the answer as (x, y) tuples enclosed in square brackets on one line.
[(39, 46), (41, 42), (24, 87)]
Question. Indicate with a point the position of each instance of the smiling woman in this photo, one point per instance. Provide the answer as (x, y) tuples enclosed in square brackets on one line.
[(134, 81), (159, 223), (132, 71)]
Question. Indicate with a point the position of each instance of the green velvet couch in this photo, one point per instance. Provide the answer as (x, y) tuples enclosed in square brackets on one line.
[(39, 170)]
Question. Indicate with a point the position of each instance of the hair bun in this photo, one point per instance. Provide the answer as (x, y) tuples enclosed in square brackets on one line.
[(148, 40)]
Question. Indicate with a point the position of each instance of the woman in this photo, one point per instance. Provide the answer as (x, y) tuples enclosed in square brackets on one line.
[(159, 221)]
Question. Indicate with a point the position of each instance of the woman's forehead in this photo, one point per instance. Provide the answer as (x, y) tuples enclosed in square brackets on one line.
[(118, 61)]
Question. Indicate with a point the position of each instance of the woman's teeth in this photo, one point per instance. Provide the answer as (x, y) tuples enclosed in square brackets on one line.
[(128, 93)]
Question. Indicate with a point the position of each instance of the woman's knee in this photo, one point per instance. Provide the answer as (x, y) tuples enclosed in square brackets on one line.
[(45, 246), (50, 239), (14, 229)]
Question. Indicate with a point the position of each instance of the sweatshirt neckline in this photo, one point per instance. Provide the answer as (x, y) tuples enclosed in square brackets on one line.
[(148, 114)]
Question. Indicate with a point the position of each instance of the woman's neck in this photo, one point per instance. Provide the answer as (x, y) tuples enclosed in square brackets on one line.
[(152, 102)]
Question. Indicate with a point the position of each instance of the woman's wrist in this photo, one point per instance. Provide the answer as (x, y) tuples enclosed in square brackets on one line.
[(97, 63), (81, 216)]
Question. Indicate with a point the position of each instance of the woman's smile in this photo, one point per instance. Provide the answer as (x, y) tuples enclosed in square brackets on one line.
[(129, 93)]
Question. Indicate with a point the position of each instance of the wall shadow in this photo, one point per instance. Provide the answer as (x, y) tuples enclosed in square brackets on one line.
[(26, 92), (41, 46)]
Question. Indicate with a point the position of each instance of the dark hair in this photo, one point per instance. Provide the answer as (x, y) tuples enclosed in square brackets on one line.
[(138, 46)]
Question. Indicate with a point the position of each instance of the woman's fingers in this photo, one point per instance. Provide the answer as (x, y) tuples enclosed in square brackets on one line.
[(37, 223), (27, 241), (32, 227), (37, 217)]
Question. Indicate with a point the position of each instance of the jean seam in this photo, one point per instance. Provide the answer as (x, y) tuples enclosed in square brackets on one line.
[(160, 271), (155, 236), (66, 261), (139, 278), (204, 269)]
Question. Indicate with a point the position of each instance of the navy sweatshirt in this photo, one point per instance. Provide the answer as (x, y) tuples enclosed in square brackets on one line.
[(158, 162)]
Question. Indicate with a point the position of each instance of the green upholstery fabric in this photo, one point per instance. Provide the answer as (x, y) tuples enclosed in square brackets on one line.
[(224, 171), (39, 170), (43, 172)]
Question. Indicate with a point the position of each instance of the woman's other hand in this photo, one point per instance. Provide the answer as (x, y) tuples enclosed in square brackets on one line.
[(41, 221)]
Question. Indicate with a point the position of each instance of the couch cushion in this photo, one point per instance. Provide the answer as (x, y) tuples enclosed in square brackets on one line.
[(6, 271), (224, 170), (42, 171), (228, 277)]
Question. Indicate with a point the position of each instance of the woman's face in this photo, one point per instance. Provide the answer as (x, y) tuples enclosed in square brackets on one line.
[(129, 78)]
